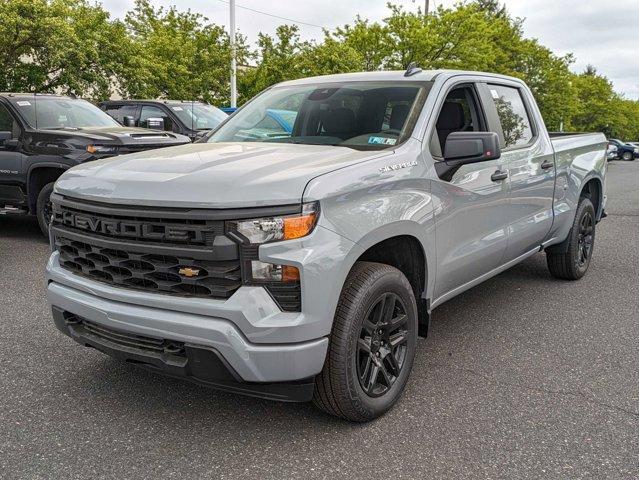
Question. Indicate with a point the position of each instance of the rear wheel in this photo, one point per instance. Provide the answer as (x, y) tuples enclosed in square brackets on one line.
[(574, 262), (372, 345), (44, 209)]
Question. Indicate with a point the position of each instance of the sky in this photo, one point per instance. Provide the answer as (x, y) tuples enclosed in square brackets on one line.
[(603, 34)]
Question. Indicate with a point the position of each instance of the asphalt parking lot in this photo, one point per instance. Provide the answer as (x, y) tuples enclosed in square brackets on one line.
[(522, 377)]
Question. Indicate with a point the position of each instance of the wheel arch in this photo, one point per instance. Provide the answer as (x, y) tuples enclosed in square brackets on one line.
[(403, 249), (592, 188), (38, 176)]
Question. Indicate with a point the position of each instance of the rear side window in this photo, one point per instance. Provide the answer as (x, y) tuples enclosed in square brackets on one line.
[(513, 115)]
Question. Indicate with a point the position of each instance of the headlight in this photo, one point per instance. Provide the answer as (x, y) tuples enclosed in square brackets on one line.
[(636, 150), (273, 229), (102, 148)]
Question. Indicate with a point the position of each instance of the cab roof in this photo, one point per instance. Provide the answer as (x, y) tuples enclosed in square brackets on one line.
[(391, 75)]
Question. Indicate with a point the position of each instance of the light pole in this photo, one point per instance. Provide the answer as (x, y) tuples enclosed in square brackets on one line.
[(426, 7), (233, 54)]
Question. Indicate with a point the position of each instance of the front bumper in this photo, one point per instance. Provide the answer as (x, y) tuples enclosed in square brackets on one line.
[(197, 363), (249, 362)]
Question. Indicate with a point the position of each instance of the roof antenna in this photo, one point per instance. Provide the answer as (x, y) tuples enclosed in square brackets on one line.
[(412, 69)]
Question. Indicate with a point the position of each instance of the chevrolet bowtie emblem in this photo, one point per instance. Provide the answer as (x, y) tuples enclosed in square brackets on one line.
[(189, 272)]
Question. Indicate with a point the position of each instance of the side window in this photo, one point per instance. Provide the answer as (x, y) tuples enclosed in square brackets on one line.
[(120, 111), (150, 112), (8, 123), (513, 115), (459, 113)]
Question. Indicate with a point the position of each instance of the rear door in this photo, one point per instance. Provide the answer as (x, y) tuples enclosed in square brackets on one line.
[(529, 160)]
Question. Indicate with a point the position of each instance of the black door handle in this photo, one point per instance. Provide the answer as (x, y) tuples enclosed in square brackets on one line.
[(547, 164), (499, 175)]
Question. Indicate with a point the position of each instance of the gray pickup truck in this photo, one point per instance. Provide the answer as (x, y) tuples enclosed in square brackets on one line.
[(303, 265)]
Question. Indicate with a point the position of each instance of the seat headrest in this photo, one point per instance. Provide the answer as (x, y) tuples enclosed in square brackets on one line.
[(338, 120), (451, 117), (398, 116)]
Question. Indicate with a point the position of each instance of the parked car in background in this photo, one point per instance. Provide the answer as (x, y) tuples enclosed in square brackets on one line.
[(193, 119), (41, 136), (613, 152), (304, 266), (625, 151), (276, 123)]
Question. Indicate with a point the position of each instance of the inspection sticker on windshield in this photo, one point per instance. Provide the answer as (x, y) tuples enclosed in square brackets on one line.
[(494, 93), (382, 141), (177, 109), (23, 103)]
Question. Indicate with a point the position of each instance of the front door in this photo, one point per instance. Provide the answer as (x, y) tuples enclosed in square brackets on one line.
[(471, 234), (10, 157)]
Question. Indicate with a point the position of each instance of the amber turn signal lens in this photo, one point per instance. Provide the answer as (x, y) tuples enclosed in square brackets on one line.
[(297, 227), (91, 149), (290, 274)]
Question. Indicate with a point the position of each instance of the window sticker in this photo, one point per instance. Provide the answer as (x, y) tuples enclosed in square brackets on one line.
[(177, 109), (494, 93), (23, 103), (382, 141)]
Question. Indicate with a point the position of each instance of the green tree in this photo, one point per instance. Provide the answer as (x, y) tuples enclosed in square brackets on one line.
[(286, 57), (177, 55), (59, 46)]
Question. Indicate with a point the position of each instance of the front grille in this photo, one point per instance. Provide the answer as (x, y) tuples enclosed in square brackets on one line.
[(150, 272), (168, 251), (151, 250)]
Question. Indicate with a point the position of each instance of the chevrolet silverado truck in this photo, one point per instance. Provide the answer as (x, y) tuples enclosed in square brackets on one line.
[(305, 267), (43, 135)]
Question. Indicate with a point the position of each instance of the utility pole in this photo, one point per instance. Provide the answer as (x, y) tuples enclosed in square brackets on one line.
[(426, 5), (233, 55)]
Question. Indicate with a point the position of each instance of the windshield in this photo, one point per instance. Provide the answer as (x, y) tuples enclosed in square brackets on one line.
[(361, 115), (199, 116), (60, 112)]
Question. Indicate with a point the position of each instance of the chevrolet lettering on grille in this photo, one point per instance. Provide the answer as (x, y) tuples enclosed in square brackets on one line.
[(129, 229)]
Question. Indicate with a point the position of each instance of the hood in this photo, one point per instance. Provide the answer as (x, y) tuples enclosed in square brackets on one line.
[(118, 135), (209, 175)]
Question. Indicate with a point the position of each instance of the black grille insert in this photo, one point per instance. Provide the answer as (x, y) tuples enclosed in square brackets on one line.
[(156, 273)]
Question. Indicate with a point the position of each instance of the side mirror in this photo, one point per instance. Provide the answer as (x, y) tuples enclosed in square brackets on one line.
[(463, 148), (7, 141), (156, 123), (128, 121)]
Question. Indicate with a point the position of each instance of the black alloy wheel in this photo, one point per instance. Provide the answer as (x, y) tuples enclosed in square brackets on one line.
[(382, 345), (585, 239)]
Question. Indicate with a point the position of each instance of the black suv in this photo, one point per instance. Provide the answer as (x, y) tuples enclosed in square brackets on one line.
[(193, 119), (41, 136)]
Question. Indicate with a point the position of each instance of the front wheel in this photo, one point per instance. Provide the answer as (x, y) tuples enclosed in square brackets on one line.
[(628, 156), (44, 210), (372, 344), (574, 262)]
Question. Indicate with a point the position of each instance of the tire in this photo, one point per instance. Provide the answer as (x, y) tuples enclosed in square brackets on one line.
[(43, 208), (361, 349), (574, 262), (628, 156)]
